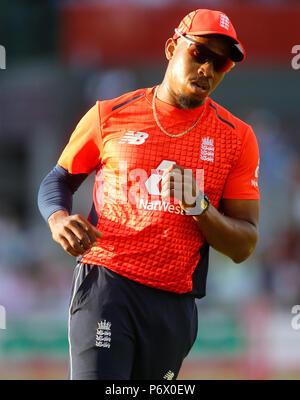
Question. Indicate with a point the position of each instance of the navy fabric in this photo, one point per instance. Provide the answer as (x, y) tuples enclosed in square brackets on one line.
[(126, 102), (222, 119), (150, 330), (57, 189), (200, 273), (93, 217)]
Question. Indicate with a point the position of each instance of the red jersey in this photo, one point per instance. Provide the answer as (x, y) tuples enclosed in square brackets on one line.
[(144, 238)]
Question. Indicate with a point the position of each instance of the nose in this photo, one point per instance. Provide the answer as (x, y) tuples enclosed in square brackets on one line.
[(207, 69)]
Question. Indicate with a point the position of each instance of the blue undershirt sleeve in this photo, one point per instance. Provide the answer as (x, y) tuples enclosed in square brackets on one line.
[(56, 191)]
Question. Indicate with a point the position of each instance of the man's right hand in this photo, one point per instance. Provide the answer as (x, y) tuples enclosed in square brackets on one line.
[(73, 232)]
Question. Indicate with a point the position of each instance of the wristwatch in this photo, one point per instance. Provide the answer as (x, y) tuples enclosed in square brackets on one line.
[(202, 204)]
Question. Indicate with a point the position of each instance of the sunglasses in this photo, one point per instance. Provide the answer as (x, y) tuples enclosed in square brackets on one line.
[(203, 54)]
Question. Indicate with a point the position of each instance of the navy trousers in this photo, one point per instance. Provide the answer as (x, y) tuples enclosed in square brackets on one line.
[(120, 329)]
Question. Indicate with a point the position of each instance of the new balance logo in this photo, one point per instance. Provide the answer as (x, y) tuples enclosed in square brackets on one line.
[(207, 149), (133, 137), (103, 335), (224, 21), (169, 375)]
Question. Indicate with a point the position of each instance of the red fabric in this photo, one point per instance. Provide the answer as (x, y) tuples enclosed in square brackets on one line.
[(204, 22), (126, 35), (145, 239)]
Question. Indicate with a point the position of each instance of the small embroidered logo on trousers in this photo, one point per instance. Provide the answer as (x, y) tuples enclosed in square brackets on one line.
[(169, 375), (103, 335)]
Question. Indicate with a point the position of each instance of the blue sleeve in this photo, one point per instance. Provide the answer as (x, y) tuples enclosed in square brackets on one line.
[(57, 189)]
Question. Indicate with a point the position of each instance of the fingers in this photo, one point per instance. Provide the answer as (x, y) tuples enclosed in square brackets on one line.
[(170, 189), (68, 247), (97, 233), (70, 243), (75, 234), (84, 231), (179, 183)]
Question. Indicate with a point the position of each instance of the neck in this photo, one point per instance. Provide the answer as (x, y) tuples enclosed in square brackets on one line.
[(166, 94)]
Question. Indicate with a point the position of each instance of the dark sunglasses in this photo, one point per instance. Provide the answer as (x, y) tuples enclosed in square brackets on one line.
[(203, 54)]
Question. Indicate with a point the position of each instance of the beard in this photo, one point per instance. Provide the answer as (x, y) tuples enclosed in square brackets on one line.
[(187, 102)]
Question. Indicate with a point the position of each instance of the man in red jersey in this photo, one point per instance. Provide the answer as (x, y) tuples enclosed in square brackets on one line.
[(175, 174)]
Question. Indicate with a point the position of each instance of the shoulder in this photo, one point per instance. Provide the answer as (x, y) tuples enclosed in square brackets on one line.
[(108, 107), (240, 127)]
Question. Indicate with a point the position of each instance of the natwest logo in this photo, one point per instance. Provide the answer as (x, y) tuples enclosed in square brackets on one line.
[(159, 205)]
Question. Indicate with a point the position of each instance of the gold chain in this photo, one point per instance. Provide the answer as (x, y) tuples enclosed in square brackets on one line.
[(159, 125)]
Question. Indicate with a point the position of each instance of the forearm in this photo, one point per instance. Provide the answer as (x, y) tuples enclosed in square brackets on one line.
[(56, 191), (73, 232), (236, 238)]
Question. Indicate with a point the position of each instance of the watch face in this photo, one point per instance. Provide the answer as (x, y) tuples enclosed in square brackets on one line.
[(204, 204)]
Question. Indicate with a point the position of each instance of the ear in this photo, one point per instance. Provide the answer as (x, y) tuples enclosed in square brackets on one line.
[(170, 48)]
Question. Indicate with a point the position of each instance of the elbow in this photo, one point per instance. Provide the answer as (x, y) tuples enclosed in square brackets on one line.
[(243, 254), (238, 259), (241, 257)]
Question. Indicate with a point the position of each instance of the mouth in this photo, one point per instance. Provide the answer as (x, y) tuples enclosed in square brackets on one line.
[(201, 87)]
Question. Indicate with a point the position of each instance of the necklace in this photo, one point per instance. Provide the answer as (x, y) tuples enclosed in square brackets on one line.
[(159, 125)]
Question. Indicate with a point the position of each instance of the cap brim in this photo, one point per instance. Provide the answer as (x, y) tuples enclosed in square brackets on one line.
[(237, 50)]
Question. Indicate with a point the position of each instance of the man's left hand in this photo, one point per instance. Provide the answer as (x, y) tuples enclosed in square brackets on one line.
[(180, 183)]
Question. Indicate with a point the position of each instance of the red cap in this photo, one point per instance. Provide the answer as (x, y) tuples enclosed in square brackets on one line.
[(208, 22)]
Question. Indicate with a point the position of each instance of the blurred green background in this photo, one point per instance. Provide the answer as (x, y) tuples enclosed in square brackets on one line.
[(61, 56)]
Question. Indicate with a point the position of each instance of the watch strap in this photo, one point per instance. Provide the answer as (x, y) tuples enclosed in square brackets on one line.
[(202, 204)]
